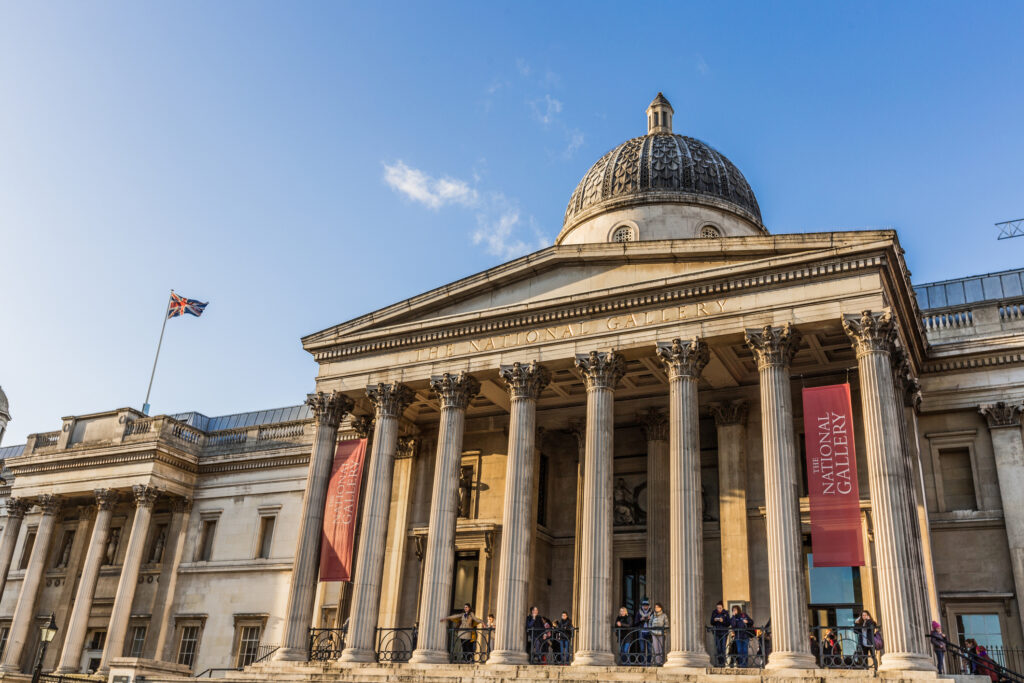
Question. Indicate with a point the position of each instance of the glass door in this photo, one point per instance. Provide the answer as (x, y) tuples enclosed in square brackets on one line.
[(634, 583)]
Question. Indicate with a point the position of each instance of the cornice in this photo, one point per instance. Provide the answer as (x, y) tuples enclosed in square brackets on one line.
[(254, 464), (988, 361), (659, 296), (85, 462)]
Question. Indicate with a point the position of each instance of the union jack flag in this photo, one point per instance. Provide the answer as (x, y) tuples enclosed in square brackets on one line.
[(179, 305)]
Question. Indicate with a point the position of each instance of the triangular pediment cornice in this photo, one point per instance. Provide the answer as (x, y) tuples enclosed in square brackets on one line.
[(389, 320), (760, 262)]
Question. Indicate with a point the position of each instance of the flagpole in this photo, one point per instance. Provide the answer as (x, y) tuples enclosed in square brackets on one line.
[(145, 406)]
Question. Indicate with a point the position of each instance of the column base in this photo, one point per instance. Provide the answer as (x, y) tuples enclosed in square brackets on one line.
[(906, 661), (680, 659), (9, 669), (358, 654), (791, 660), (513, 657), (291, 654), (429, 657), (63, 670), (593, 658)]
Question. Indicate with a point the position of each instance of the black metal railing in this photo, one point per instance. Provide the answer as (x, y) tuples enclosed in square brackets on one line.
[(326, 644), (641, 646), (69, 678), (739, 648), (961, 660), (395, 644), (550, 645), (263, 653), (469, 645), (844, 647)]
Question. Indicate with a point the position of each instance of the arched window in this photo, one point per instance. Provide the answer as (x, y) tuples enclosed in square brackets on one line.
[(710, 232), (623, 233)]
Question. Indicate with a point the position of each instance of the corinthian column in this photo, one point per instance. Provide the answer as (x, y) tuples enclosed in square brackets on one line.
[(71, 656), (16, 509), (1004, 428), (655, 426), (455, 392), (600, 373), (525, 382), (328, 409), (684, 361), (145, 497), (906, 648), (390, 400), (773, 348), (24, 611)]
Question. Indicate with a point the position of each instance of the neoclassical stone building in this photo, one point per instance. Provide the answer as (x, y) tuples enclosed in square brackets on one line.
[(616, 416)]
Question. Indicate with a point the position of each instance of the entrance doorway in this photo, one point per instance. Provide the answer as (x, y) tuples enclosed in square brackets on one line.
[(835, 594), (634, 582), (467, 569)]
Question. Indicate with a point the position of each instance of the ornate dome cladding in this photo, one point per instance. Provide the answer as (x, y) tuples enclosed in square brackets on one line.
[(661, 166)]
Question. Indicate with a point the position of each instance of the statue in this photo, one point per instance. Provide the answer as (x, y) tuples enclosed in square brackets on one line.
[(112, 540), (465, 491), (158, 545), (623, 504), (65, 551)]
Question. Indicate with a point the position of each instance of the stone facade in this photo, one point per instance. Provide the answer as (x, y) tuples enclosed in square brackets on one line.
[(617, 416)]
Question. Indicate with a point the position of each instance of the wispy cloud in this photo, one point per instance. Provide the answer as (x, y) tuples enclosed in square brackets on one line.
[(546, 109), (500, 229), (702, 66), (431, 192)]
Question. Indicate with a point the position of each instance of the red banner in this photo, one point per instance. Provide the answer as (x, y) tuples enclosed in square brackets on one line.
[(340, 511), (832, 477)]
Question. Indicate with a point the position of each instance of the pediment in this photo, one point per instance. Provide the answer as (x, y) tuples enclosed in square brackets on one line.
[(573, 275)]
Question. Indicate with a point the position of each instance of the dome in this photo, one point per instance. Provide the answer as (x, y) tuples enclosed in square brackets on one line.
[(5, 409), (661, 167)]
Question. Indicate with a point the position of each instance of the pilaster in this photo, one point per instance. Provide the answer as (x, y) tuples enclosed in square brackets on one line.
[(731, 426)]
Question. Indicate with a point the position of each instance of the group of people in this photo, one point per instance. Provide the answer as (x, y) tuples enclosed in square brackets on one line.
[(732, 631), (471, 632), (978, 661), (641, 635), (549, 641), (832, 650)]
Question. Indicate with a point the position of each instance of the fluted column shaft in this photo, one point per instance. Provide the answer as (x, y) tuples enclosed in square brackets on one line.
[(600, 372), (730, 422), (390, 400), (773, 348), (78, 623), (906, 648), (24, 611), (163, 618), (655, 426), (16, 509), (578, 431), (1004, 422), (684, 361), (145, 497), (455, 392), (328, 410), (525, 382)]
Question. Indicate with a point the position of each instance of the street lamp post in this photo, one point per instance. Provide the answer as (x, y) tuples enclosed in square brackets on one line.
[(46, 634)]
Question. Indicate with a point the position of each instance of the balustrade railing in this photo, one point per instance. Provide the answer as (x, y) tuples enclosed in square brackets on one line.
[(844, 647), (641, 646), (47, 439), (395, 644), (949, 320), (469, 645), (284, 431), (1011, 312), (739, 648), (226, 438), (326, 644), (186, 433), (550, 645), (138, 427)]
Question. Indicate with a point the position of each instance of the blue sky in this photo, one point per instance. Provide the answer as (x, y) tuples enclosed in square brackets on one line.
[(299, 164)]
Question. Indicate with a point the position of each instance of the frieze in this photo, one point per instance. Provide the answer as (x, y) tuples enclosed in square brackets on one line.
[(537, 321)]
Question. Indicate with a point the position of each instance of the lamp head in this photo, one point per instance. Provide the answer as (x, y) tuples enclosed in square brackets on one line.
[(49, 631)]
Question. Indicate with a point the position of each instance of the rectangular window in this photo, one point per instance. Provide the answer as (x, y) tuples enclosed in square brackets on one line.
[(983, 629), (26, 553), (248, 645), (957, 479), (188, 645), (138, 640), (266, 536), (205, 548), (98, 640), (467, 568), (4, 632)]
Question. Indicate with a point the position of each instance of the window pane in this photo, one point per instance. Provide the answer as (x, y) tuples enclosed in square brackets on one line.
[(974, 291), (187, 648), (249, 644), (137, 642), (1011, 285), (266, 536), (984, 628), (937, 296), (992, 287), (955, 294), (831, 585)]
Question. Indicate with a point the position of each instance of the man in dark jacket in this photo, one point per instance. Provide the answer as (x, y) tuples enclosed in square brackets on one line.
[(720, 631), (622, 624), (534, 631), (741, 625), (642, 621)]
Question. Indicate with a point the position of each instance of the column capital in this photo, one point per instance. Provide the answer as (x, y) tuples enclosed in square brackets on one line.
[(181, 504), (145, 496), (406, 447), (362, 425), (48, 503), (654, 423), (329, 408), (600, 369), (106, 499), (684, 357), (773, 346), (17, 507), (525, 380), (455, 389), (732, 413), (390, 399), (1002, 414), (871, 332)]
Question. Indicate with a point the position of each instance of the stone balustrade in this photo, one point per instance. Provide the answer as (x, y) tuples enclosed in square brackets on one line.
[(972, 321)]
